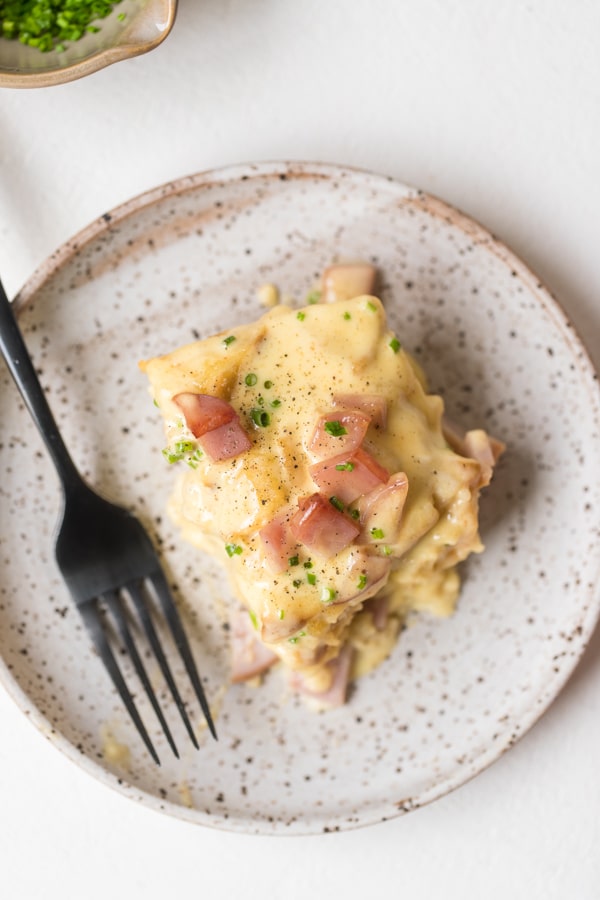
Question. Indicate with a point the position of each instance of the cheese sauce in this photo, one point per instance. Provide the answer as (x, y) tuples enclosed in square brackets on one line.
[(280, 374)]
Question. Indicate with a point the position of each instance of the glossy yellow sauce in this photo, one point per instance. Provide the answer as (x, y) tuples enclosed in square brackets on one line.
[(301, 360), (114, 751)]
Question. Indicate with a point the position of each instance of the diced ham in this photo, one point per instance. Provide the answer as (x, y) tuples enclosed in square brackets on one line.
[(335, 694), (347, 280), (369, 573), (378, 606), (249, 657), (321, 527), (374, 405), (476, 444), (215, 423), (381, 510), (375, 571), (278, 542), (349, 477), (486, 450), (453, 434), (276, 628), (225, 442), (203, 412), (339, 431)]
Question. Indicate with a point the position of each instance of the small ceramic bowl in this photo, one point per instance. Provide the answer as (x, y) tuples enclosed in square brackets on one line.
[(133, 27)]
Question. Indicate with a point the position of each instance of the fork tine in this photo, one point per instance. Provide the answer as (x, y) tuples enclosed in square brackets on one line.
[(113, 601), (94, 626), (160, 586), (136, 595)]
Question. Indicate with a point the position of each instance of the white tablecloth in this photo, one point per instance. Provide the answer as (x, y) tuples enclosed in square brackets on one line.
[(494, 107)]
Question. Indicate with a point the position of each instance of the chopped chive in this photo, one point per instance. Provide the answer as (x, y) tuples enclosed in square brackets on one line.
[(395, 344), (155, 401), (345, 467), (301, 316), (313, 297), (328, 595), (297, 582), (335, 501), (251, 379), (308, 564), (178, 451), (47, 24), (233, 550), (377, 533), (275, 403), (260, 418), (311, 578), (193, 460), (268, 385), (355, 514), (294, 640), (294, 561), (362, 582), (229, 340), (347, 316), (253, 619), (335, 428), (371, 306), (121, 17), (280, 614), (387, 550)]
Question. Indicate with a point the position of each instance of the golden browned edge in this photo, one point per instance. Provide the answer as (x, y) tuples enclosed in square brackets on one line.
[(91, 64)]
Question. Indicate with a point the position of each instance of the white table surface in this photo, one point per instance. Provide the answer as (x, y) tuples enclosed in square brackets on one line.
[(496, 108)]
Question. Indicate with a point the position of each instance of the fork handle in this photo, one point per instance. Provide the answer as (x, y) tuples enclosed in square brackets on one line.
[(21, 368)]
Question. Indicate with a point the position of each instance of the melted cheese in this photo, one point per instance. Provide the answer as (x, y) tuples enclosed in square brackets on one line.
[(298, 362)]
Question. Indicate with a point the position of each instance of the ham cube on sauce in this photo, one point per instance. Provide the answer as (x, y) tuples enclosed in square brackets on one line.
[(215, 423), (321, 527), (203, 412), (278, 542), (339, 431), (381, 510), (348, 477), (225, 442), (374, 405)]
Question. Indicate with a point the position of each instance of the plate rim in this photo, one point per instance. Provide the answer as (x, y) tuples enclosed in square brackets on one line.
[(438, 208)]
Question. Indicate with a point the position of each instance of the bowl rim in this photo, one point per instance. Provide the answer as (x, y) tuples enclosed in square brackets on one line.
[(90, 64)]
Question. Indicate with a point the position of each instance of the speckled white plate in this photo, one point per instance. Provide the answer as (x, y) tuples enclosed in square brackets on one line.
[(185, 260)]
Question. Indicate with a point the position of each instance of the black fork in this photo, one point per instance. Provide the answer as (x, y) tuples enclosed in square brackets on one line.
[(106, 559)]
